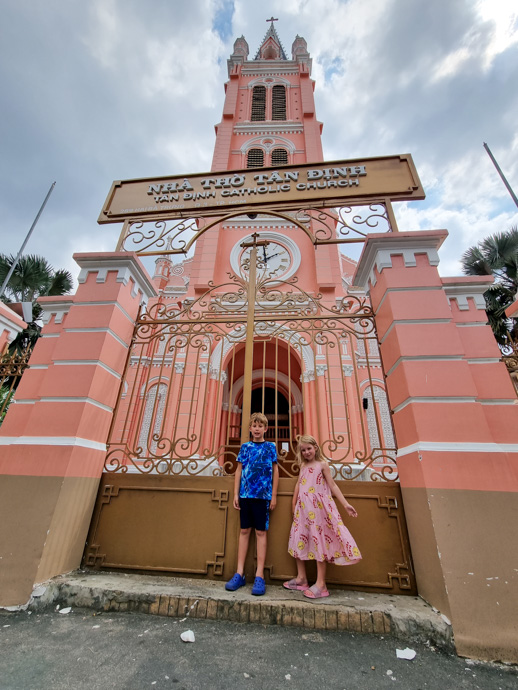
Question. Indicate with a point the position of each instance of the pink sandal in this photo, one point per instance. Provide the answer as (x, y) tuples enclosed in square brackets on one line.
[(293, 584), (315, 592)]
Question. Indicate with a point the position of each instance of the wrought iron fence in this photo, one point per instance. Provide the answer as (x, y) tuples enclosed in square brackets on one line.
[(510, 359), (185, 381), (12, 366)]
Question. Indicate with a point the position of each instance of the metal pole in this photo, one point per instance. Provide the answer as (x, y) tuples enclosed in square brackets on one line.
[(509, 188), (249, 343), (15, 262), (249, 347)]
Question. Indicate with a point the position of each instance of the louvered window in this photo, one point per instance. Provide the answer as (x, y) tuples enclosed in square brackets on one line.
[(255, 158), (278, 103), (259, 103), (279, 157)]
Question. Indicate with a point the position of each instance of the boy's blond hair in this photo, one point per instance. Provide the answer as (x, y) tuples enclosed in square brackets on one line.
[(260, 418)]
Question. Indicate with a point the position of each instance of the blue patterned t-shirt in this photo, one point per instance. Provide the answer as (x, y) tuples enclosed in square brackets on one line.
[(257, 469)]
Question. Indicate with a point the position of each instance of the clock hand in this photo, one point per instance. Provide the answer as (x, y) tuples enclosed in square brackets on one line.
[(272, 256)]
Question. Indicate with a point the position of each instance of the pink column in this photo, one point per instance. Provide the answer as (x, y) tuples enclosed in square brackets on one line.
[(54, 437), (209, 434), (311, 423), (322, 412), (354, 412), (223, 424), (455, 418)]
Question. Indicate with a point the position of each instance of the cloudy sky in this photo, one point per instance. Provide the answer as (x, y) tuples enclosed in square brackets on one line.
[(97, 90)]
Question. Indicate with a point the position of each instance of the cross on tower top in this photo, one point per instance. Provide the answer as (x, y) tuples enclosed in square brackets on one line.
[(272, 19)]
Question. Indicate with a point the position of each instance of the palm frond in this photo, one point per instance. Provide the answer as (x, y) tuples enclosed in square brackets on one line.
[(61, 283), (496, 255), (474, 263)]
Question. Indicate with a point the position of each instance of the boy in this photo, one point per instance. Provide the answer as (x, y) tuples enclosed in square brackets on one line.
[(255, 494)]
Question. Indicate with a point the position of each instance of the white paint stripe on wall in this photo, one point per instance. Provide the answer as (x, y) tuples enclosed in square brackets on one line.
[(97, 330), (51, 441), (87, 362), (458, 448), (78, 400)]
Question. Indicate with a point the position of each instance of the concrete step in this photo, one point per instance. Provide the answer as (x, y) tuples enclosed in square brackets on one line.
[(407, 618)]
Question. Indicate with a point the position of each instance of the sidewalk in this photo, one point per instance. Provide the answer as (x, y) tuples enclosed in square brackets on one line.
[(406, 618), (87, 650)]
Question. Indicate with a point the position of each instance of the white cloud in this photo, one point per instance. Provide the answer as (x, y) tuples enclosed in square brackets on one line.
[(117, 89), (503, 15)]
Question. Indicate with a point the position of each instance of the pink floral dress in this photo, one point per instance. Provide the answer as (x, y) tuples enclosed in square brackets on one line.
[(318, 532)]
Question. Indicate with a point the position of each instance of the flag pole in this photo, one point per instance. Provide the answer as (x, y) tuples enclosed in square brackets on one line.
[(509, 188), (15, 262)]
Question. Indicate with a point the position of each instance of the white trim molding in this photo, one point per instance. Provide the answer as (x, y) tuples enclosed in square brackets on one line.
[(51, 441), (81, 362), (446, 401), (98, 330), (462, 292), (90, 401), (127, 266), (58, 308), (380, 248), (458, 447), (10, 322)]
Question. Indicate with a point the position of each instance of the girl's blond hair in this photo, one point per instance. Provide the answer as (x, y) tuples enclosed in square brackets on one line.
[(306, 438)]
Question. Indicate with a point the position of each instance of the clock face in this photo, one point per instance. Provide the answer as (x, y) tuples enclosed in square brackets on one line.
[(275, 259), (278, 260)]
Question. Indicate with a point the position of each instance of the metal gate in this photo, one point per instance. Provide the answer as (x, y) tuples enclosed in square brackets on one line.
[(194, 373)]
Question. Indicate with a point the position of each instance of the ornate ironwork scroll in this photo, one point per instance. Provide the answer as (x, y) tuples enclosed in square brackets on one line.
[(343, 225)]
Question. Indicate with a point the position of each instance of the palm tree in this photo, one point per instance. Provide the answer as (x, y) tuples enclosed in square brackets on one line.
[(33, 277), (497, 255)]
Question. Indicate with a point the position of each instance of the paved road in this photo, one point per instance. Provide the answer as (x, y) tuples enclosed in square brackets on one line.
[(131, 651)]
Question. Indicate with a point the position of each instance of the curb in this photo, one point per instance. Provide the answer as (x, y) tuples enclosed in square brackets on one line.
[(411, 619)]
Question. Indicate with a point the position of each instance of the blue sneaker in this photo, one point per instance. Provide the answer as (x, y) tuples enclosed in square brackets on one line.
[(259, 587), (235, 583)]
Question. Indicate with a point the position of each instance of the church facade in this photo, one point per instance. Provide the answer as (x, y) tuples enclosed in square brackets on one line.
[(186, 383), (125, 427)]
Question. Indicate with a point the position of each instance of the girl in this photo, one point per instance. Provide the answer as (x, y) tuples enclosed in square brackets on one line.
[(318, 532)]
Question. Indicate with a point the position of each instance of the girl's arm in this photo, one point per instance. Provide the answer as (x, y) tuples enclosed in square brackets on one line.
[(295, 496), (349, 509)]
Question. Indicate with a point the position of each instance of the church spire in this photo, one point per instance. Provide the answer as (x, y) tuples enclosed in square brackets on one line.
[(271, 48)]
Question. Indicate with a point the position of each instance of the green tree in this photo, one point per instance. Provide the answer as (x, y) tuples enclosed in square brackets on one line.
[(497, 255)]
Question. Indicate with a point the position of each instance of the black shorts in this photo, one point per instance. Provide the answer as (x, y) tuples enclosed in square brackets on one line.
[(255, 512)]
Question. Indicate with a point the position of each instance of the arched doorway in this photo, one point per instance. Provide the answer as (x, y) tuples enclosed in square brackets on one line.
[(275, 391), (274, 404)]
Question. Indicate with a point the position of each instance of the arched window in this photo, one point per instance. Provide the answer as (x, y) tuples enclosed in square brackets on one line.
[(279, 157), (153, 418), (258, 103), (278, 103), (381, 401), (255, 158)]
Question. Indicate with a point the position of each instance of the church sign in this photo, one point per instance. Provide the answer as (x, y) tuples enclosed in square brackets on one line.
[(285, 188)]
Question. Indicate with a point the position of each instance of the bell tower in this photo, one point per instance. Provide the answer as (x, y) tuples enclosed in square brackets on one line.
[(269, 111), (268, 121)]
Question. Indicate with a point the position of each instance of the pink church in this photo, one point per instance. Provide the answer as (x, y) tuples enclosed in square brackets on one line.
[(184, 389), (129, 417)]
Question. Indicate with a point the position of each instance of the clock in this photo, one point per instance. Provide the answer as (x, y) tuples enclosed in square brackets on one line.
[(278, 260), (274, 259)]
